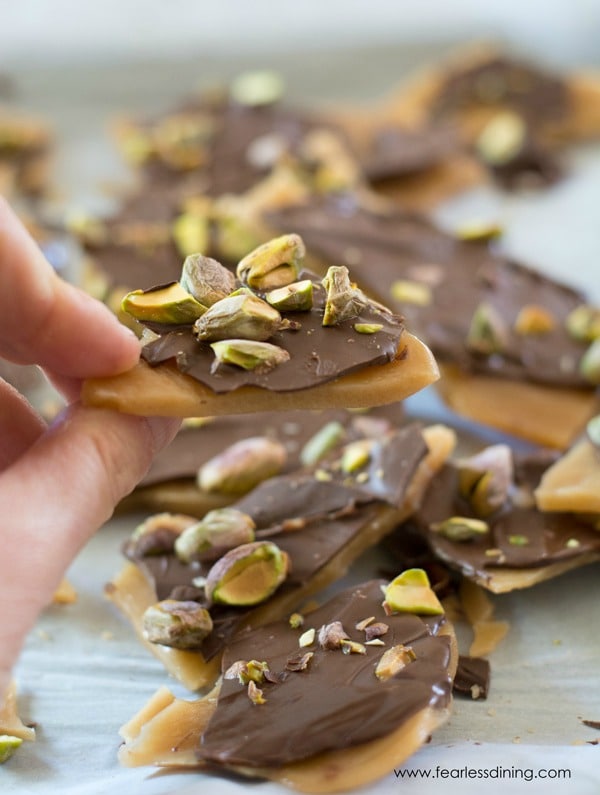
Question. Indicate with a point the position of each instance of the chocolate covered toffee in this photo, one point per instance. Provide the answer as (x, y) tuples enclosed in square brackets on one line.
[(292, 535), (369, 675)]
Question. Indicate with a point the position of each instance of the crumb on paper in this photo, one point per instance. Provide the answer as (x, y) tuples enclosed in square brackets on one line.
[(65, 594)]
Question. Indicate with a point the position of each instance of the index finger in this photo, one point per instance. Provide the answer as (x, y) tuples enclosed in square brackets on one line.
[(44, 320)]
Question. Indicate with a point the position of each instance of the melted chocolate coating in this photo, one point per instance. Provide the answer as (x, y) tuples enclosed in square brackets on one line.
[(472, 672), (395, 153), (338, 702)]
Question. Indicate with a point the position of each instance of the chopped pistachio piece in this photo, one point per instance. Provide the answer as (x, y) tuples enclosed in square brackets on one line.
[(169, 303), (518, 540), (364, 623), (253, 671), (8, 745), (394, 660), (368, 328), (485, 479), (407, 292), (255, 694), (295, 297), (296, 620), (534, 319), (275, 263), (589, 365), (219, 531), (593, 430), (479, 231), (330, 636), (249, 354), (461, 528), (234, 235), (352, 647), (307, 638), (344, 300), (502, 138), (181, 625), (376, 630), (487, 333), (299, 662), (572, 543), (206, 279), (157, 534), (247, 575), (260, 87), (410, 592), (242, 465), (324, 440), (583, 323), (190, 233), (356, 455), (240, 317)]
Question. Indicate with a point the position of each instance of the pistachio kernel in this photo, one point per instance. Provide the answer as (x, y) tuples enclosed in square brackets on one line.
[(407, 292), (181, 625), (275, 263), (234, 236), (240, 317), (352, 647), (219, 531), (255, 88), (375, 642), (393, 661), (206, 279), (8, 745), (296, 620), (295, 297), (255, 694), (324, 440), (534, 319), (518, 540), (190, 233), (364, 623), (356, 455), (169, 303), (299, 662), (487, 333), (485, 479), (330, 636), (344, 300), (589, 366), (572, 543), (376, 630), (249, 354), (307, 638), (583, 323), (247, 575), (460, 528), (157, 534), (479, 231), (593, 430), (410, 592), (247, 671), (502, 139), (242, 466), (367, 328)]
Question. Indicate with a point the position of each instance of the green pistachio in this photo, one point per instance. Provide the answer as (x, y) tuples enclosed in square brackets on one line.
[(325, 439), (344, 300), (488, 333), (190, 233), (240, 316), (296, 620), (181, 625), (518, 540), (593, 430), (255, 694), (260, 87), (461, 528), (502, 138), (8, 745), (485, 479), (410, 592), (393, 661), (589, 365), (234, 236), (275, 263), (352, 647), (242, 466), (248, 354), (206, 279), (247, 575), (157, 534), (220, 530), (368, 328), (247, 671), (169, 304), (407, 292), (295, 297), (356, 455), (479, 232), (583, 323)]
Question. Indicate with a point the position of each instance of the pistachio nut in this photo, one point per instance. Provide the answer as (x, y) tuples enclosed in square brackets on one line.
[(407, 292), (247, 575), (206, 279), (190, 233), (275, 263), (324, 440), (502, 139), (8, 745), (479, 232), (249, 354), (487, 333), (376, 630), (255, 88), (238, 316), (410, 592), (307, 638), (352, 647), (181, 625), (91, 232), (534, 319), (593, 430), (461, 528), (294, 297), (485, 479), (296, 620), (330, 636), (589, 366), (518, 540), (299, 662), (168, 303), (243, 465), (157, 534), (255, 694), (394, 660), (583, 323), (234, 236), (344, 300), (356, 455), (219, 531), (368, 328), (181, 140), (247, 671)]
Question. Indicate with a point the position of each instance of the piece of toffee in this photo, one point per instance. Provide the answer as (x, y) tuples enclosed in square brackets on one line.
[(472, 678), (382, 248), (328, 514), (337, 701)]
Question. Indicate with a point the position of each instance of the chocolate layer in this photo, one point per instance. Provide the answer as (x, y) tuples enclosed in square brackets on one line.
[(337, 701), (472, 677), (394, 152), (383, 248)]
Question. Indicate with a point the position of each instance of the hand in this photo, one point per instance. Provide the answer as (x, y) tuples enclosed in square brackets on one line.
[(58, 484)]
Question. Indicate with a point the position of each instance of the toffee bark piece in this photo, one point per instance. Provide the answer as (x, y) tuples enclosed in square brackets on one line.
[(323, 521), (572, 483), (472, 677), (327, 730), (391, 251), (524, 545)]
